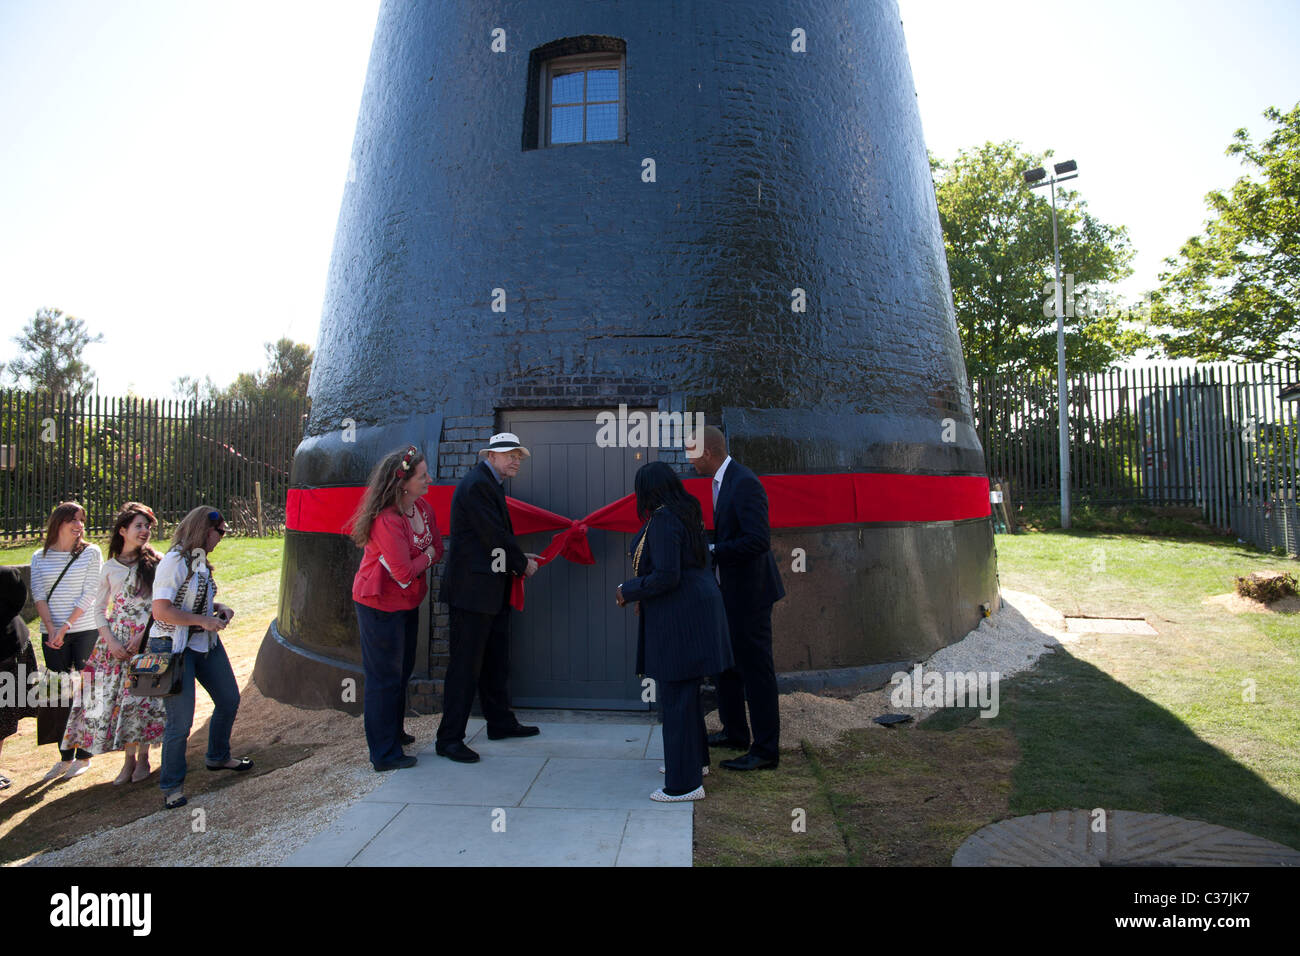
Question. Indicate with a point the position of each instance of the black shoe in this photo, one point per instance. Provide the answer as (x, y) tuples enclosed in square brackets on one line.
[(405, 738), (518, 730), (406, 761), (751, 762), (720, 739), (456, 751)]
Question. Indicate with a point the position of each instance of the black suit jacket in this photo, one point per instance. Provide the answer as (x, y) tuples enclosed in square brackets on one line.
[(742, 547), (682, 628), (480, 523)]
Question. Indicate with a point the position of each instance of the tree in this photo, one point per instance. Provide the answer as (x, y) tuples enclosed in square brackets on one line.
[(998, 236), (189, 388), (287, 374), (49, 354), (1231, 293)]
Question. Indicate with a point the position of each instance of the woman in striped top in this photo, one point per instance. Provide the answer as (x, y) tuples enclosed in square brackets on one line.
[(65, 579)]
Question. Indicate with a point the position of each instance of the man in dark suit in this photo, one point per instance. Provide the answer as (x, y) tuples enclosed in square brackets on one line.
[(481, 561), (747, 574)]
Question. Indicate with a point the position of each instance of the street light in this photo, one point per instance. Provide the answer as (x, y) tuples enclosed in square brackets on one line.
[(1038, 177)]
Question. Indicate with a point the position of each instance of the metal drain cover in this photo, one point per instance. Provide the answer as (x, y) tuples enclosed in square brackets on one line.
[(1108, 625), (1068, 838)]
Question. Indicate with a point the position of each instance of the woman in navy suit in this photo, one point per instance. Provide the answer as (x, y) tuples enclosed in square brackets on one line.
[(682, 631)]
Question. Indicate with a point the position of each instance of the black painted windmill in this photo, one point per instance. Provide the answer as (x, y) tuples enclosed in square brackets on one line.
[(723, 206)]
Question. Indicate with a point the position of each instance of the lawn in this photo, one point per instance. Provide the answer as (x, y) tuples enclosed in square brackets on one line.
[(1201, 721)]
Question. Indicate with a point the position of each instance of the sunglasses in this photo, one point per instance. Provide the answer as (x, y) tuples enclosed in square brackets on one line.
[(215, 517)]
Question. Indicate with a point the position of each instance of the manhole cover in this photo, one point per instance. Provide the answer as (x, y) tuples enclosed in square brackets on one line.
[(1108, 625), (1067, 838)]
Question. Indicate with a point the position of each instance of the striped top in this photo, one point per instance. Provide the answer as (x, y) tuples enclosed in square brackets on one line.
[(76, 590)]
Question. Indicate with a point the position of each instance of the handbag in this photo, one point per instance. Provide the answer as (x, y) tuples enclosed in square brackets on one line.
[(160, 671)]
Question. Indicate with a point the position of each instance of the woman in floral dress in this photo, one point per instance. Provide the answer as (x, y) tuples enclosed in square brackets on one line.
[(107, 718)]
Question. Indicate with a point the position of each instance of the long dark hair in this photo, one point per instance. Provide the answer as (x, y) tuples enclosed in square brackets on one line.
[(383, 489), (657, 485), (149, 557)]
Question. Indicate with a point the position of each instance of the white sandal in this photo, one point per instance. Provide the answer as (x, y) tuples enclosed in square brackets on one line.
[(661, 797)]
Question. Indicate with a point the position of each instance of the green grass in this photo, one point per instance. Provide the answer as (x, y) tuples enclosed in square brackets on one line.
[(1157, 724), (1151, 724)]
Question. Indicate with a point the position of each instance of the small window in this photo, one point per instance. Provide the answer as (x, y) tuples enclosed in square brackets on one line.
[(576, 92), (584, 101)]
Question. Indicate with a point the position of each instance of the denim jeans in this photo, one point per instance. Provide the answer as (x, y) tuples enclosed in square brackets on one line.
[(388, 640), (213, 671)]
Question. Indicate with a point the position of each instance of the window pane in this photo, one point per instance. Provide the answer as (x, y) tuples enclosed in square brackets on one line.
[(566, 88), (602, 85), (566, 124), (602, 121)]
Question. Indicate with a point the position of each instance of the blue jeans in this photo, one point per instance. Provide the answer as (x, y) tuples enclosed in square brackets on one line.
[(213, 671), (388, 640)]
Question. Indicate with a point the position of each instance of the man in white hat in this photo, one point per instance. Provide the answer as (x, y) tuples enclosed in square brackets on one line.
[(481, 561)]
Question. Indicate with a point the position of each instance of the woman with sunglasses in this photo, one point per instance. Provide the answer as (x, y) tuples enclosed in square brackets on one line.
[(397, 529), (65, 577), (107, 718), (186, 615)]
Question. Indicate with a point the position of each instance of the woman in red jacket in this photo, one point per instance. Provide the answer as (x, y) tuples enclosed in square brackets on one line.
[(397, 528)]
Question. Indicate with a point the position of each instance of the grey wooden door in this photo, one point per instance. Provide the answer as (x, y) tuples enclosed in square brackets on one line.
[(572, 646)]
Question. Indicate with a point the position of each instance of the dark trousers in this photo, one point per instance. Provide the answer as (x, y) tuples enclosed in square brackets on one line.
[(68, 659), (686, 739), (752, 680), (480, 660), (388, 641)]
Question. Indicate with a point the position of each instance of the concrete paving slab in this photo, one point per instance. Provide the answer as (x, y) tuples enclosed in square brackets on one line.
[(614, 741), (492, 782), (657, 839), (655, 750), (464, 836), (346, 836), (578, 794), (578, 783)]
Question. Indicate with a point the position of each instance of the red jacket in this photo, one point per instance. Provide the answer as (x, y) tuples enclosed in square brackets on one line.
[(391, 544)]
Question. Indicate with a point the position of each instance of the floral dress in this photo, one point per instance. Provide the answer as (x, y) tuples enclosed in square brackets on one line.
[(105, 716)]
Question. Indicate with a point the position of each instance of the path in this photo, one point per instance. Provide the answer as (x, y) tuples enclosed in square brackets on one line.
[(578, 794)]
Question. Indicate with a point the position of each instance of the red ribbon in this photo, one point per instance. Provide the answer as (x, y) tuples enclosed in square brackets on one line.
[(794, 501)]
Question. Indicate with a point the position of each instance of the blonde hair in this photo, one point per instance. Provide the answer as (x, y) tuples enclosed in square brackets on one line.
[(193, 530)]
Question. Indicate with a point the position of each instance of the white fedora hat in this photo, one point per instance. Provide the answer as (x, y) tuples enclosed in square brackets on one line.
[(506, 441)]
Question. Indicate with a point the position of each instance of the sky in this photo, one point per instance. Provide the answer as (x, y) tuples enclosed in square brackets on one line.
[(173, 169)]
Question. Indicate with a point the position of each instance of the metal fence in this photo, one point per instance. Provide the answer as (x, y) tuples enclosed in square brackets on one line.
[(171, 455), (1219, 437)]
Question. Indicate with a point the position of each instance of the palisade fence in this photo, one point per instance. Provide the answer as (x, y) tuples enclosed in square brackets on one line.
[(1219, 437), (170, 454)]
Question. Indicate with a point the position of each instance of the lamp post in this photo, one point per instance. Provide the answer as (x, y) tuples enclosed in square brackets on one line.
[(1038, 177)]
